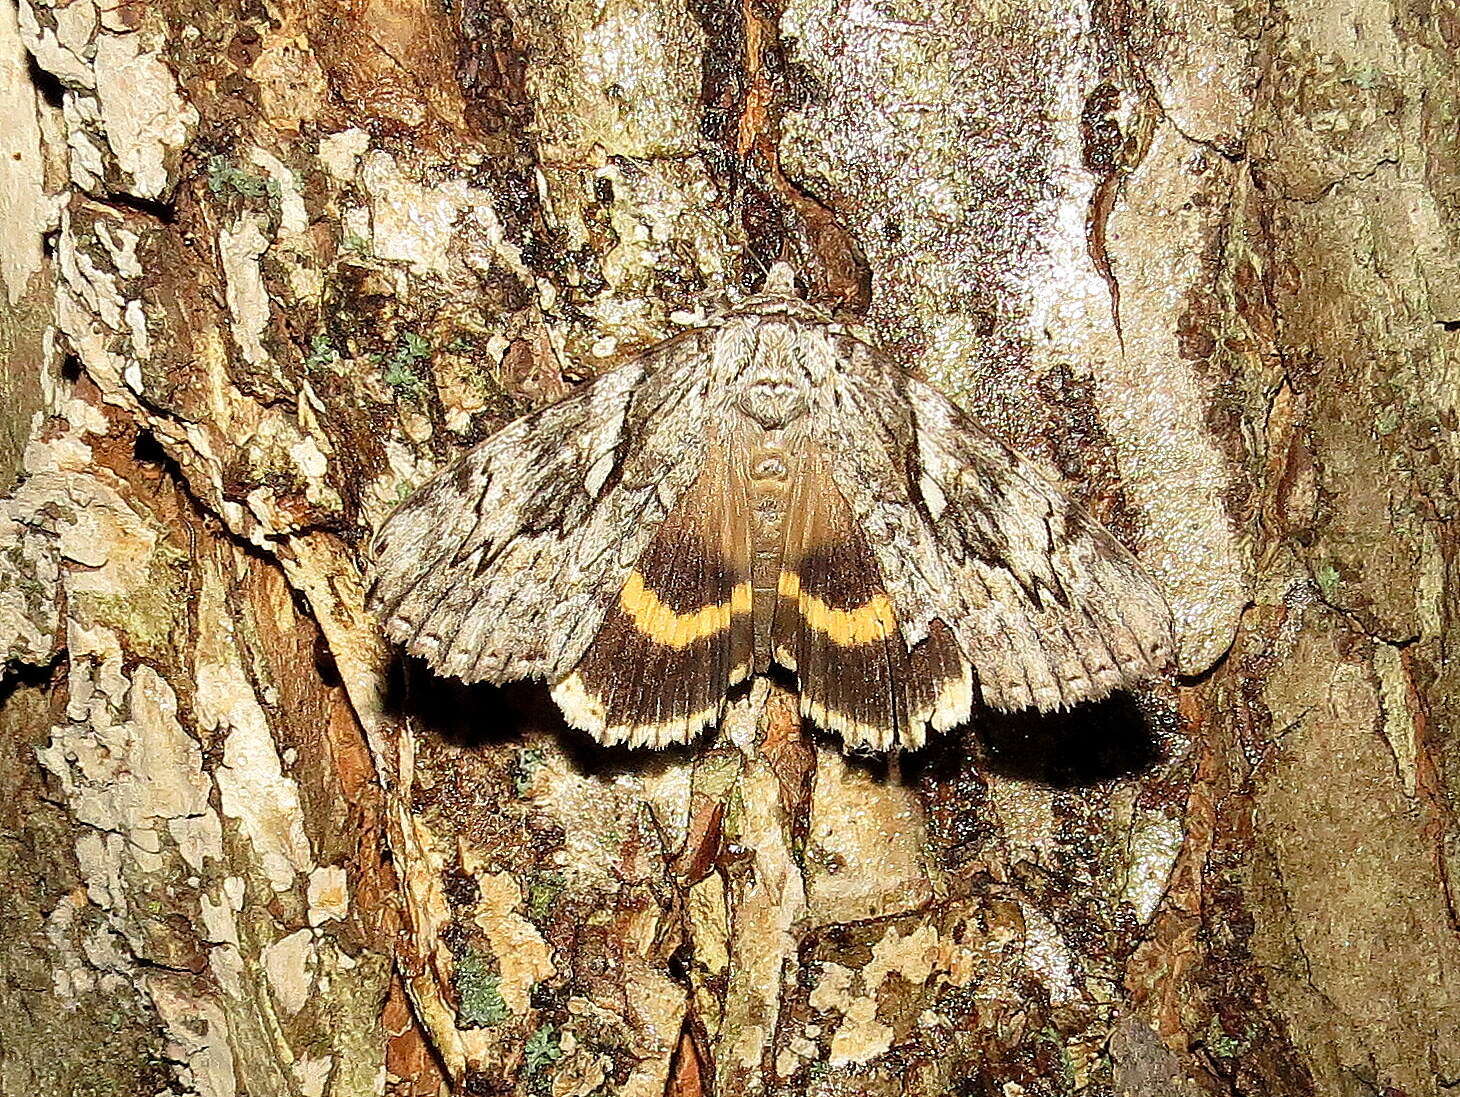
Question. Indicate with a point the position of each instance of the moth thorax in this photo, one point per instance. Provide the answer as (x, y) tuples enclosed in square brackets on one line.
[(773, 401)]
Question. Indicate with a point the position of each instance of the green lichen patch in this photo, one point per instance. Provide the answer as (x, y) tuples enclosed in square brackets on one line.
[(149, 613), (400, 368), (322, 352), (479, 991), (226, 178), (542, 1050), (529, 761), (1328, 579), (543, 894)]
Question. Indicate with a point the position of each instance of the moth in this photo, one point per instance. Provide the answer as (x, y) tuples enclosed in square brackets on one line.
[(764, 489)]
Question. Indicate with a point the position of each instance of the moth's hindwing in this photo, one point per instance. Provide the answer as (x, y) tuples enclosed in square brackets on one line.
[(1046, 604), (678, 635), (837, 627)]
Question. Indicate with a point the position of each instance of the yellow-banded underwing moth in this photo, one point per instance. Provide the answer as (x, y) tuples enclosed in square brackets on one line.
[(764, 489)]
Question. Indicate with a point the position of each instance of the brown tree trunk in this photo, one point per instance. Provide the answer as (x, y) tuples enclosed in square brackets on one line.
[(267, 265)]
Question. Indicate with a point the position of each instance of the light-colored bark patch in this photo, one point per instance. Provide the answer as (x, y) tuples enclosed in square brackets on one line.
[(1049, 957), (313, 1074), (329, 897), (619, 77), (144, 116), (1154, 404), (523, 957), (141, 777), (240, 249), (766, 903), (23, 205), (288, 963), (1349, 896), (851, 813), (860, 1037), (198, 1036), (292, 87), (1154, 843), (415, 223), (340, 152), (855, 994), (62, 51), (255, 792)]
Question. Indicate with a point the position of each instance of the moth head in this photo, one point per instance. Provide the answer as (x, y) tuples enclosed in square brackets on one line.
[(778, 296), (780, 281)]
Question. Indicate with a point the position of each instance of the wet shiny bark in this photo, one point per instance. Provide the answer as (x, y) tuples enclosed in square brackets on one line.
[(268, 265)]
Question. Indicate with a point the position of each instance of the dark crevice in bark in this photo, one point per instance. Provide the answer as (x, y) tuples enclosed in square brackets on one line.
[(46, 84), (747, 83), (164, 212), (16, 676)]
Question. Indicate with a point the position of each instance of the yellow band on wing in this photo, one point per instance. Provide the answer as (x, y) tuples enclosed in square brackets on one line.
[(870, 621), (661, 624)]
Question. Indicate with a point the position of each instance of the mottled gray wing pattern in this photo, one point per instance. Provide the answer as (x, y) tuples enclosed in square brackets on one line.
[(1050, 609), (502, 566)]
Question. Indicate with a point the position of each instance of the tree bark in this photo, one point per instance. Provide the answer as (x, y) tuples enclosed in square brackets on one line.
[(268, 265)]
